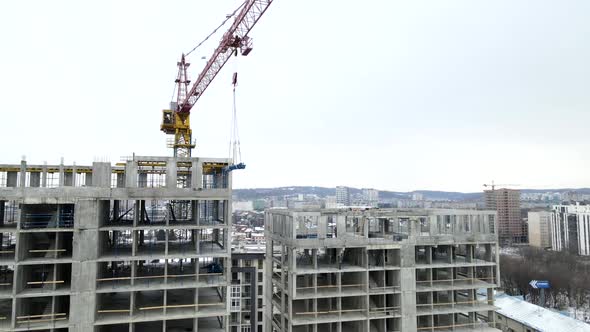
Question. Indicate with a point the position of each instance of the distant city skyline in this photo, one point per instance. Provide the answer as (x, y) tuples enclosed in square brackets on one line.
[(524, 191), (530, 198), (389, 95)]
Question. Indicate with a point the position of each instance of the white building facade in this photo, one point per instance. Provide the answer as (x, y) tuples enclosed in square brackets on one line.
[(539, 225), (342, 196), (570, 229), (247, 298), (370, 197)]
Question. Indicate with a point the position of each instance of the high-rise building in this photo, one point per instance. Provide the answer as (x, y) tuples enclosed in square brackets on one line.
[(370, 197), (142, 246), (342, 196), (380, 270), (247, 299), (511, 226), (570, 229), (539, 226)]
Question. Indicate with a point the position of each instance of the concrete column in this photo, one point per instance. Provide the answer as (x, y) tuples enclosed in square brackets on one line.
[(85, 251), (18, 308), (131, 174), (74, 175), (490, 299), (137, 210), (197, 175), (132, 310), (293, 226), (23, 173), (44, 176), (488, 252), (408, 286), (101, 174), (62, 174), (340, 226), (450, 254), (171, 173), (195, 212), (322, 226), (428, 254)]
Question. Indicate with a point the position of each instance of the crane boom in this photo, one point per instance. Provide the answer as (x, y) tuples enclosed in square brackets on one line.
[(236, 37)]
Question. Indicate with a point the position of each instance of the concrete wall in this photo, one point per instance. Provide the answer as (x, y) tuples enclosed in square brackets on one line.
[(539, 229), (509, 325)]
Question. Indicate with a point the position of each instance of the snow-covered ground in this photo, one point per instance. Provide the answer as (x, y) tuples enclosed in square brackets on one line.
[(562, 304)]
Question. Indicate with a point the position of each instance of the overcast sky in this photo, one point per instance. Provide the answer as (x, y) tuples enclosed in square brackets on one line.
[(395, 95)]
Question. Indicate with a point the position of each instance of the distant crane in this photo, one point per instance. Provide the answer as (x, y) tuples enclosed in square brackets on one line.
[(493, 185), (176, 120)]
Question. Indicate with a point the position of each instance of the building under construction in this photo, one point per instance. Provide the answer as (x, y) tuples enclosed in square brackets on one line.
[(143, 245), (381, 270), (511, 226)]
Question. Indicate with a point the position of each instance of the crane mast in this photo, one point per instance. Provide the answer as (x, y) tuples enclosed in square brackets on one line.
[(176, 120)]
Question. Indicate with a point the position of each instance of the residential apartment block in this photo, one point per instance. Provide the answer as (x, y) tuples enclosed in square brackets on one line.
[(370, 197), (570, 229), (539, 229), (247, 298), (343, 196), (380, 270), (511, 226)]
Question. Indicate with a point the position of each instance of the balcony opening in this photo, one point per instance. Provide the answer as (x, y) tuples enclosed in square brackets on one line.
[(116, 243), (36, 216), (113, 305), (113, 274)]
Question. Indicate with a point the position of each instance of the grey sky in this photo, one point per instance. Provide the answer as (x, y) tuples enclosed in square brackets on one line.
[(396, 95)]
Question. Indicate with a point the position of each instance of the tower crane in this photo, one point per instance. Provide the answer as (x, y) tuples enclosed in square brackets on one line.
[(176, 120)]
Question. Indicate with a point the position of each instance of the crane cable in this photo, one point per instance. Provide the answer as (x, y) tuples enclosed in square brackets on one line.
[(235, 151), (227, 17)]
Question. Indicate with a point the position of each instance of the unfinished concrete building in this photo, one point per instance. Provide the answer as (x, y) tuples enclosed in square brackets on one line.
[(381, 270), (143, 245), (511, 226)]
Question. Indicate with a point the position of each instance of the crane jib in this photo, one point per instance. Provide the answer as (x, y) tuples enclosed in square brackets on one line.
[(235, 38), (176, 120)]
